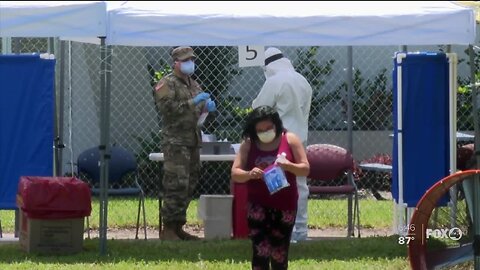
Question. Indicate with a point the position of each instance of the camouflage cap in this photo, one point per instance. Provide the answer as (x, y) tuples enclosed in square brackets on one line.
[(182, 53)]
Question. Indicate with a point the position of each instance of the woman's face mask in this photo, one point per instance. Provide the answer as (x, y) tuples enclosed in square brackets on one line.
[(267, 136), (187, 67)]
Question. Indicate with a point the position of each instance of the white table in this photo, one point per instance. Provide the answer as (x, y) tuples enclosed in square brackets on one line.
[(203, 157), (461, 137), (225, 157), (378, 170), (376, 167)]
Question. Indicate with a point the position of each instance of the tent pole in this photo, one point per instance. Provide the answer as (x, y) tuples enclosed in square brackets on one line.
[(350, 126), (452, 65), (104, 143), (59, 106), (6, 45), (476, 184)]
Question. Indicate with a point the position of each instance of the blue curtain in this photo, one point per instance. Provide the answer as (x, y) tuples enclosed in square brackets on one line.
[(425, 131), (26, 121)]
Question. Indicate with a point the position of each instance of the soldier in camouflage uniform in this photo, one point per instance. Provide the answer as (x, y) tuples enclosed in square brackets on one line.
[(180, 100)]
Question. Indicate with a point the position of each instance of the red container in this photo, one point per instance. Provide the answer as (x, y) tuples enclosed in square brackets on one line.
[(54, 197), (240, 224)]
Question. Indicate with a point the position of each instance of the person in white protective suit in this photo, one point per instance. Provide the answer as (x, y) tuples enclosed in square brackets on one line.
[(290, 94)]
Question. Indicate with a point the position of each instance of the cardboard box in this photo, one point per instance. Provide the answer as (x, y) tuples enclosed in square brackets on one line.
[(51, 236), (216, 148)]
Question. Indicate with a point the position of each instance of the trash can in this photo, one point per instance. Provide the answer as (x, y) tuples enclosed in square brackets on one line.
[(52, 212), (216, 213)]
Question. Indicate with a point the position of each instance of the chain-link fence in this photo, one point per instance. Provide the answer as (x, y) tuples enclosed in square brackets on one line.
[(135, 123)]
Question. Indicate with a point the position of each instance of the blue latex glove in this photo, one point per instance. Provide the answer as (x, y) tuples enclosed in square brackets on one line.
[(211, 106), (202, 96)]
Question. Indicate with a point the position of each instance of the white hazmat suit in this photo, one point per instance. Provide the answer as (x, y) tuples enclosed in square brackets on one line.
[(290, 94)]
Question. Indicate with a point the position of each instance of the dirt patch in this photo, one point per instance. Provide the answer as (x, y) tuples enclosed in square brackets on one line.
[(198, 231), (116, 233)]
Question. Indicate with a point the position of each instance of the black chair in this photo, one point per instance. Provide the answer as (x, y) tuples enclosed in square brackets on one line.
[(329, 164), (121, 164)]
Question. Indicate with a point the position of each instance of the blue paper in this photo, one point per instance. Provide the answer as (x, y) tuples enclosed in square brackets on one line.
[(275, 179)]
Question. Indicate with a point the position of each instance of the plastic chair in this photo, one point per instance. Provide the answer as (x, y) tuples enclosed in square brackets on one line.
[(121, 164), (329, 164)]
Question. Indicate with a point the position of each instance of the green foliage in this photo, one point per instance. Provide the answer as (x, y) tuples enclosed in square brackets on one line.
[(150, 173), (157, 75), (464, 107), (235, 114), (216, 68), (315, 72), (465, 96), (372, 102)]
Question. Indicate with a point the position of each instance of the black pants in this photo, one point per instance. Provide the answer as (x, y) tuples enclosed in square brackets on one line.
[(270, 232)]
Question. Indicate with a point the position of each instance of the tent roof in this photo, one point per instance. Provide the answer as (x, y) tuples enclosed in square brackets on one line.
[(289, 23), (218, 23), (52, 18)]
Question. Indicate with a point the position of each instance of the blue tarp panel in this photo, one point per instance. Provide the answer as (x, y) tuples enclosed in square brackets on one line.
[(425, 78), (26, 121)]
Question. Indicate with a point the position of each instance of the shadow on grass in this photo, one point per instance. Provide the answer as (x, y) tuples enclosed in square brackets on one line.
[(221, 250)]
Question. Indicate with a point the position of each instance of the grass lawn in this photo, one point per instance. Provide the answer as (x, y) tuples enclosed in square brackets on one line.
[(364, 253), (322, 214)]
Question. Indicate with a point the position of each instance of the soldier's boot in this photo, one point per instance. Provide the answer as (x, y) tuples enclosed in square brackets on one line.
[(169, 232), (183, 234)]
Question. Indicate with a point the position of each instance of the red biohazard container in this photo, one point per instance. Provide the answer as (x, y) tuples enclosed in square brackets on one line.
[(52, 212), (54, 197)]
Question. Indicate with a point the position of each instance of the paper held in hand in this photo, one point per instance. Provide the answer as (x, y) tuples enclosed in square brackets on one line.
[(275, 179)]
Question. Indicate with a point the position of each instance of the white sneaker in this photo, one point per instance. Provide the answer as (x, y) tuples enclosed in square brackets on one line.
[(299, 236)]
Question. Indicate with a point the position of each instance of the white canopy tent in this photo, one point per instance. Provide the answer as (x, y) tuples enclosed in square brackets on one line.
[(79, 19), (288, 23), (75, 20), (233, 23)]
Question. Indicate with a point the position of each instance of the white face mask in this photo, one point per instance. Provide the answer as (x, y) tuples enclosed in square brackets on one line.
[(268, 72), (187, 67), (267, 136)]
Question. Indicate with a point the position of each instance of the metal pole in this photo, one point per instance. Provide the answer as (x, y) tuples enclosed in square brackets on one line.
[(350, 98), (476, 184), (103, 148), (350, 127), (106, 128), (61, 107), (58, 115), (452, 63), (6, 45)]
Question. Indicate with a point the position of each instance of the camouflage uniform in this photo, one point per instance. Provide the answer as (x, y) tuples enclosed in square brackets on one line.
[(181, 141)]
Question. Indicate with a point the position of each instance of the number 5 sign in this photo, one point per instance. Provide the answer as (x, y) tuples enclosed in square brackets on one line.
[(250, 56)]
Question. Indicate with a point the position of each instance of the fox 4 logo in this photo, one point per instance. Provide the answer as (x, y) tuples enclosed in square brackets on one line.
[(453, 233)]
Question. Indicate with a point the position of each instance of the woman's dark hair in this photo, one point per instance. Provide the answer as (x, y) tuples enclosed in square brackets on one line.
[(259, 114)]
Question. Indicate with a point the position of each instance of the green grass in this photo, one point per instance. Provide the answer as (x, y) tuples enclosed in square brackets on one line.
[(322, 214), (365, 253)]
